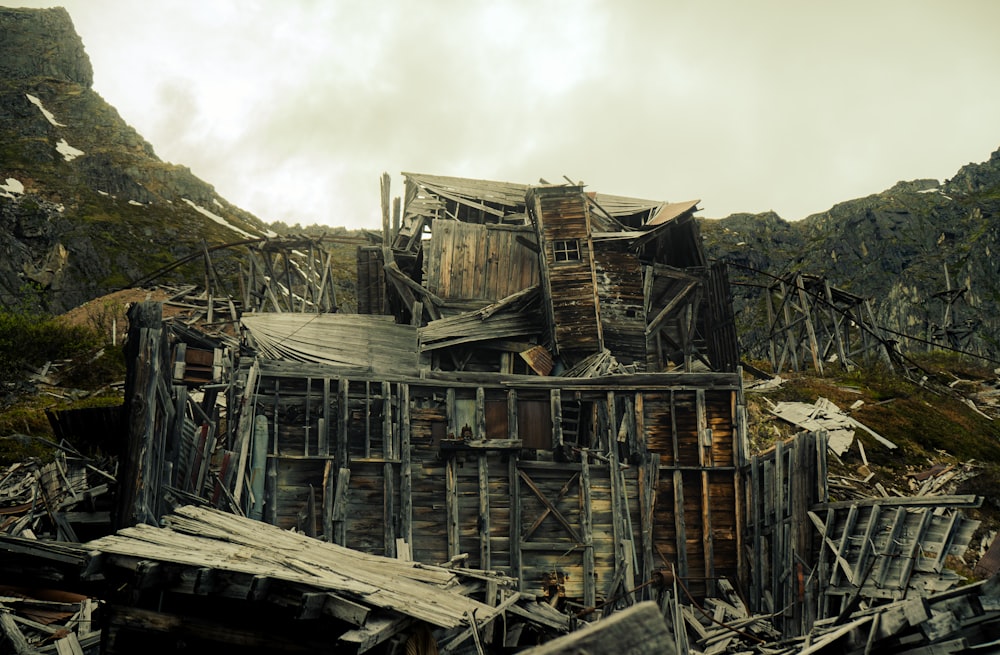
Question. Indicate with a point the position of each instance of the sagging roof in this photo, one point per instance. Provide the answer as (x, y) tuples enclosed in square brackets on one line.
[(365, 342), (497, 200)]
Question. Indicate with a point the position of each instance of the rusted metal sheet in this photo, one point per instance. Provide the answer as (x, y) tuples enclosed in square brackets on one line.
[(539, 359)]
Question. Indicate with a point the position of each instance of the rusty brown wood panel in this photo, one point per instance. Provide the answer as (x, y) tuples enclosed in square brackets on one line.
[(365, 523), (657, 423), (293, 477), (620, 288), (686, 420), (430, 538), (499, 490)]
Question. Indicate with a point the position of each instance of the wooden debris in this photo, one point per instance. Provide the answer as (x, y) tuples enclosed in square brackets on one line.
[(234, 560)]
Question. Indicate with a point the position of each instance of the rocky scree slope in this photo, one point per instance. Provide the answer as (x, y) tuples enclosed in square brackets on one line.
[(86, 206), (891, 246)]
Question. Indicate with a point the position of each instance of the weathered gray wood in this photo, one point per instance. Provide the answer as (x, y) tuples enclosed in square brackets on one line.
[(245, 430), (587, 527), (555, 409), (343, 422), (338, 513), (405, 468), (375, 631), (706, 461), (451, 507), (513, 431), (388, 473), (638, 630), (15, 637), (485, 553), (514, 486), (258, 463), (649, 480)]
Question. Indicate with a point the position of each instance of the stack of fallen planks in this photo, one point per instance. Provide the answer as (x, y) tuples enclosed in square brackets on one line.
[(47, 621), (963, 619), (55, 500), (206, 558)]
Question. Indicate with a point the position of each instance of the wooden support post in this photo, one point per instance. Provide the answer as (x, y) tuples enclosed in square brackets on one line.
[(555, 411), (513, 431), (680, 530), (649, 479), (388, 472), (324, 422), (757, 530), (405, 472), (258, 461), (586, 525), (778, 572), (245, 430), (791, 346), (772, 334), (451, 506), (271, 492), (706, 462), (484, 513), (807, 313), (340, 502), (454, 429), (514, 485), (368, 419), (329, 495), (837, 321), (343, 423), (480, 432)]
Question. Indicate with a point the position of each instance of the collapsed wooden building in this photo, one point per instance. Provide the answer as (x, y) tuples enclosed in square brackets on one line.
[(545, 383), (515, 409), (539, 405)]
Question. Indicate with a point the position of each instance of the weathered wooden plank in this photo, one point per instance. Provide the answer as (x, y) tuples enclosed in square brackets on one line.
[(485, 560), (586, 526), (514, 486), (405, 467), (638, 630), (451, 507)]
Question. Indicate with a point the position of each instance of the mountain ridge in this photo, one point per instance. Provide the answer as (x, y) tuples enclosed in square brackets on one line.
[(86, 206), (902, 247)]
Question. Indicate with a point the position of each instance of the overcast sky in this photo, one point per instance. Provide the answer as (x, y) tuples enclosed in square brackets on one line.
[(293, 108)]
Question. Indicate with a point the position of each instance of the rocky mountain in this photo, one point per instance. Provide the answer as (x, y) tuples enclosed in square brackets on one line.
[(901, 247), (86, 206)]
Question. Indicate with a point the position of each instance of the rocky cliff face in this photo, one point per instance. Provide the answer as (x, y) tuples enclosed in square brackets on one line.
[(893, 247), (85, 204)]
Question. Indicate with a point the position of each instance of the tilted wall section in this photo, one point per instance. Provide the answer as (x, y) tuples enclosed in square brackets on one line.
[(580, 488)]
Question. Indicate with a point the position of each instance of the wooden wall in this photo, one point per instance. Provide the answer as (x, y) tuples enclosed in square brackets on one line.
[(620, 289), (648, 481), (466, 261), (559, 214)]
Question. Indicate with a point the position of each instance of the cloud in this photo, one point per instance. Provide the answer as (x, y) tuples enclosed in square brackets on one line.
[(292, 110)]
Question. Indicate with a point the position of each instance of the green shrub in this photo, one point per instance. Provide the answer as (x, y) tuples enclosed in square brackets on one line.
[(28, 340)]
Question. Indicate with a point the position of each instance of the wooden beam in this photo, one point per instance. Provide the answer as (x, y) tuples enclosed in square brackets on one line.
[(654, 325), (451, 506), (586, 525), (705, 461), (484, 513), (514, 486), (405, 467), (548, 504), (388, 473), (555, 411), (340, 503)]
